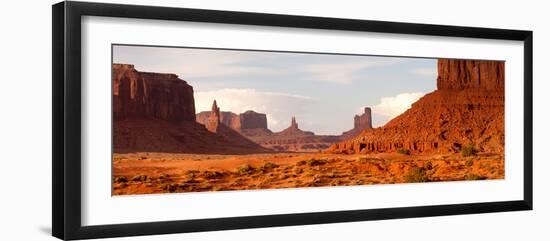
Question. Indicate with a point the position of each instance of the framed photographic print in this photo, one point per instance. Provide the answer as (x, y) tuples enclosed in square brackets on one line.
[(169, 120)]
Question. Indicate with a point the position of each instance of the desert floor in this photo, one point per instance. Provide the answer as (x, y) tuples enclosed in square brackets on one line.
[(145, 173)]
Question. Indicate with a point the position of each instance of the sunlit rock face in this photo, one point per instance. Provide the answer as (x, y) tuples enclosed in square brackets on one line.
[(466, 109)]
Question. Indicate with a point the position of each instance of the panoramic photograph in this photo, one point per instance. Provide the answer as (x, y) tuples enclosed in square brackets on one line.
[(202, 120)]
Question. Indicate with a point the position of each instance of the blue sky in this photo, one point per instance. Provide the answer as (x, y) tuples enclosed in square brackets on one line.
[(323, 91)]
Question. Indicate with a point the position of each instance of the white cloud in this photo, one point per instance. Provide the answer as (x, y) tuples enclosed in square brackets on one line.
[(391, 107), (279, 107), (192, 63), (344, 72), (427, 72)]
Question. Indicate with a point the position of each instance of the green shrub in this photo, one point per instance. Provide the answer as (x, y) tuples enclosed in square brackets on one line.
[(121, 180), (316, 162), (245, 169), (416, 174), (270, 165), (468, 150), (213, 174), (470, 162), (404, 151)]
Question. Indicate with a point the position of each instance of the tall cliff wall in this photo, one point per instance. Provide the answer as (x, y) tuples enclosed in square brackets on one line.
[(467, 108), (142, 94), (470, 74)]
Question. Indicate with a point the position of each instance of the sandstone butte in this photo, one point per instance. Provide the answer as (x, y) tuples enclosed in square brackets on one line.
[(293, 139), (155, 112), (360, 123), (253, 126), (466, 109), (248, 120)]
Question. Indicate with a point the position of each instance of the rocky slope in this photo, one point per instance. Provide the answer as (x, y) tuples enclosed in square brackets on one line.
[(466, 109), (155, 112)]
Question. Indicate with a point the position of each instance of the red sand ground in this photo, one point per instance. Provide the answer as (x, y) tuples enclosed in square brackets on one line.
[(145, 173)]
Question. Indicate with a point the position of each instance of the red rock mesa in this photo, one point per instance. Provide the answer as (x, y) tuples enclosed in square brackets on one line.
[(155, 112), (142, 94), (248, 120), (467, 108)]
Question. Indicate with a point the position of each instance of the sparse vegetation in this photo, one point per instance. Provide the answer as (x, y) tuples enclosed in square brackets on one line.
[(301, 163), (404, 151), (191, 173), (468, 150), (416, 174), (120, 180), (269, 165), (316, 162), (428, 165), (213, 174), (140, 178), (303, 170), (245, 169)]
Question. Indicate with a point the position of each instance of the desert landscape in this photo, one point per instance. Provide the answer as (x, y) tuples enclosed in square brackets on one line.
[(162, 144)]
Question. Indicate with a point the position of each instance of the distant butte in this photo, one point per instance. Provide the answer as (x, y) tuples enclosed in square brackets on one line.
[(360, 123), (294, 139), (253, 125), (245, 121)]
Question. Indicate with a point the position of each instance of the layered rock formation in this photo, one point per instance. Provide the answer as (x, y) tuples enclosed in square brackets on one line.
[(253, 120), (248, 120), (142, 94), (466, 109), (293, 130), (470, 74), (293, 139), (226, 117), (155, 112), (253, 126), (215, 125), (360, 123)]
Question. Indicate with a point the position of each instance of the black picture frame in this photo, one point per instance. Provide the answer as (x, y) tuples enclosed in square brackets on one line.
[(66, 128)]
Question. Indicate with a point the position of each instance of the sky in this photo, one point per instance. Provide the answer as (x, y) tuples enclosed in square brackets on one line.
[(323, 91)]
